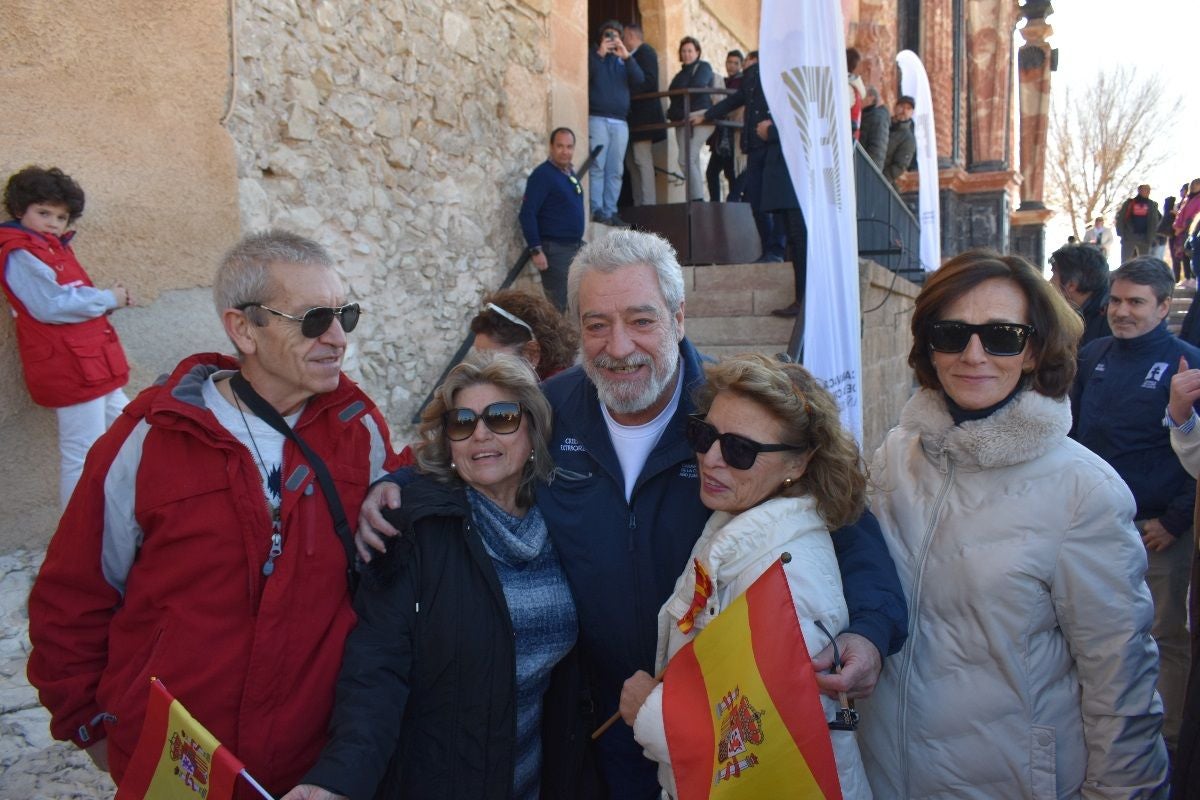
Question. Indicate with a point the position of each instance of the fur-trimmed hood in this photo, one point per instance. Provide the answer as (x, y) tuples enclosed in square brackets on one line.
[(1021, 431)]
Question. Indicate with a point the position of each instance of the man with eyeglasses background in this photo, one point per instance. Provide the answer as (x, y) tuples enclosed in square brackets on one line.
[(200, 545), (552, 216), (1119, 400), (624, 505)]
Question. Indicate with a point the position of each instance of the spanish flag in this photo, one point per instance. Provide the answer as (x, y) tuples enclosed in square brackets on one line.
[(177, 759), (741, 706), (700, 597)]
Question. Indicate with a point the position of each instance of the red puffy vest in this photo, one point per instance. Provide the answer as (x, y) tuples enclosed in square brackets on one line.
[(63, 364)]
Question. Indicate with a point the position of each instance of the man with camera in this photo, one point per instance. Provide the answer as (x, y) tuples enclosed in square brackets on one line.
[(611, 76)]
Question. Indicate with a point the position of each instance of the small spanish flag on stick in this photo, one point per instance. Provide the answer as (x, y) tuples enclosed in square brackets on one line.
[(177, 759), (741, 706), (704, 589)]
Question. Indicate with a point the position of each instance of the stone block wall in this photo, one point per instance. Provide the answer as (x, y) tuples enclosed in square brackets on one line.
[(399, 134), (887, 304)]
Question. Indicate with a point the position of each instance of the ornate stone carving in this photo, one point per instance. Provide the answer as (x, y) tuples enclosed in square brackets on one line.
[(937, 53), (873, 33), (989, 65), (1033, 64)]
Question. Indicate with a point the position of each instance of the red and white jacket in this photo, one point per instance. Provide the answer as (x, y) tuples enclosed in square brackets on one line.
[(156, 571), (63, 364)]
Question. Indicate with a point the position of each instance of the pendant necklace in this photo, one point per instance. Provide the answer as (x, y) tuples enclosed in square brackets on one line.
[(276, 529)]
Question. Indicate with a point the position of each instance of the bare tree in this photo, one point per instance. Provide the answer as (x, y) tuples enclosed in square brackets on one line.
[(1103, 141)]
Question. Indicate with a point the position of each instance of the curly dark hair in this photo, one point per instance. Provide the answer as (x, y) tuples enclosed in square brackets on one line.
[(1057, 327), (557, 341), (40, 185), (835, 477)]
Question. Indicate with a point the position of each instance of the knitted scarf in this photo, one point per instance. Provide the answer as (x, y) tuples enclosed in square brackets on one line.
[(512, 540)]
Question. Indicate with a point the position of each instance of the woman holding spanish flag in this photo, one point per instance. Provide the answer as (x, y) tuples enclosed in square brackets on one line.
[(780, 472)]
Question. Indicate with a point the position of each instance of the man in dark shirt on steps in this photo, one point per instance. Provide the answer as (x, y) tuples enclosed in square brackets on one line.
[(552, 216)]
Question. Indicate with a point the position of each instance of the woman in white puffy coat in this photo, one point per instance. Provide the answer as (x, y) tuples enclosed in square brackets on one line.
[(784, 498), (1029, 670)]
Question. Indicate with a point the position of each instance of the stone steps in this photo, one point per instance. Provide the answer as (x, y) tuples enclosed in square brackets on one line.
[(1181, 301), (729, 307)]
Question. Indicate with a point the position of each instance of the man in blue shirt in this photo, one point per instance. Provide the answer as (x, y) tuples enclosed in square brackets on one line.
[(552, 216), (611, 76), (1119, 400)]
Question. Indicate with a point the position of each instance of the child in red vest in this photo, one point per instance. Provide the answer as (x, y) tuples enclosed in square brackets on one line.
[(72, 358)]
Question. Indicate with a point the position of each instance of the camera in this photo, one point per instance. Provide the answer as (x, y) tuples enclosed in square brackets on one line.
[(610, 35)]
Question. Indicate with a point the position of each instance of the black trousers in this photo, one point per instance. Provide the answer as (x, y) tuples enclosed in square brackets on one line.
[(797, 238), (554, 280)]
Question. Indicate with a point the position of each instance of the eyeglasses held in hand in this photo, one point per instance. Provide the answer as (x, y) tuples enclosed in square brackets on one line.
[(738, 451), (502, 417), (315, 321), (997, 338)]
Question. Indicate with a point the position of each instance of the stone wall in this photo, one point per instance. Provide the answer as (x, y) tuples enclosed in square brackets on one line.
[(399, 134), (887, 305), (707, 21)]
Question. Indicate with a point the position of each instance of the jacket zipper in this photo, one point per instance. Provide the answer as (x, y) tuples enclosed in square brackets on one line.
[(913, 617), (276, 550)]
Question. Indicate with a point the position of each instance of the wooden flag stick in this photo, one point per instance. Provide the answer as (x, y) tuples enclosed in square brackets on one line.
[(608, 723)]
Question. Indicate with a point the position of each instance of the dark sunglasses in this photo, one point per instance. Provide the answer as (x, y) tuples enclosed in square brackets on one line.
[(575, 182), (997, 338), (738, 451), (315, 321), (502, 417)]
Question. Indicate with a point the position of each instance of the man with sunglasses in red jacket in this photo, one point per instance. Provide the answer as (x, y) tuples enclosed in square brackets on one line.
[(202, 546)]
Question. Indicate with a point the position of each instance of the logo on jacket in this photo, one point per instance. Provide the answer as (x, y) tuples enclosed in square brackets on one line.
[(741, 726), (689, 470), (571, 445), (1154, 375)]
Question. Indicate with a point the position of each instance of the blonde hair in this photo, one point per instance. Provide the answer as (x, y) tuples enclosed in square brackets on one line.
[(510, 374), (835, 476)]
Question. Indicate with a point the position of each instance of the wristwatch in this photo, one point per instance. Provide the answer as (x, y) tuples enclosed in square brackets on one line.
[(536, 250)]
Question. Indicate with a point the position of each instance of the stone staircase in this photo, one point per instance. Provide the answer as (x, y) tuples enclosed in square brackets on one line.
[(1181, 301), (729, 307)]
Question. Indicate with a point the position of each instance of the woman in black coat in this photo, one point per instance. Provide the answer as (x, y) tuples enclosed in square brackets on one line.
[(695, 74), (459, 680)]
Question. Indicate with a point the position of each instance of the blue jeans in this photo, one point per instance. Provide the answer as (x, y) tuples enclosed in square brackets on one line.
[(604, 178)]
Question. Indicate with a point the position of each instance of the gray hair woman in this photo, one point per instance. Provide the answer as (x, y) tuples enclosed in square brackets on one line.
[(464, 619)]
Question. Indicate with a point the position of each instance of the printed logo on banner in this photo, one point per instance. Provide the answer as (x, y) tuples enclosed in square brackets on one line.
[(810, 93)]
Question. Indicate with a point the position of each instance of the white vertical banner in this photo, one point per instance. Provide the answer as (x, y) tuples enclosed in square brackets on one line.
[(802, 60), (914, 82)]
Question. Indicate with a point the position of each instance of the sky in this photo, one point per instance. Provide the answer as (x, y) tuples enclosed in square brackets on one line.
[(1154, 36)]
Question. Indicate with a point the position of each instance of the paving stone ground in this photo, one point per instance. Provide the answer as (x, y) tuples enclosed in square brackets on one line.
[(32, 765)]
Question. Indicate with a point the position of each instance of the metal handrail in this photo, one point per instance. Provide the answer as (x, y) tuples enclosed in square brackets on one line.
[(903, 232), (686, 94)]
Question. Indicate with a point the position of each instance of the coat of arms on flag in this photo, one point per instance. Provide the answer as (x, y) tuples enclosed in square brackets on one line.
[(177, 759), (741, 708)]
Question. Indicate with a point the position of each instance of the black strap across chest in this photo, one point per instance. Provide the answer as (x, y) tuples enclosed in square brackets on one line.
[(267, 413)]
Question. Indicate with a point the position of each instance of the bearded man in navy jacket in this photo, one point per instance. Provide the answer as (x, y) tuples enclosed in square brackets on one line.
[(1119, 401)]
